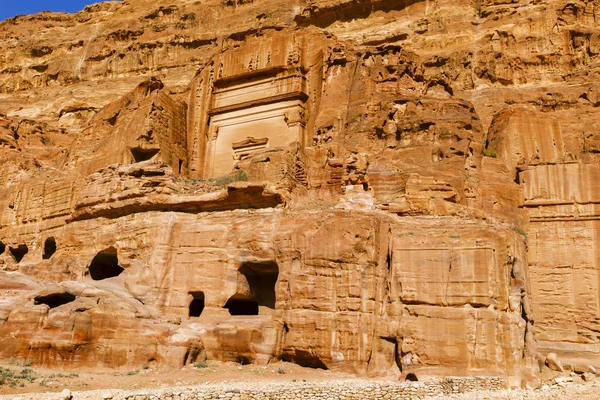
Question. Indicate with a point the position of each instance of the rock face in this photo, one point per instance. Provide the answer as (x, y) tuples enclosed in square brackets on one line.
[(390, 188)]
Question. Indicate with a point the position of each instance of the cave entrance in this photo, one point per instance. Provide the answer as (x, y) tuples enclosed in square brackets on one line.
[(262, 278), (238, 305), (105, 265), (304, 358), (2, 247), (140, 154), (197, 304), (18, 252), (411, 377), (49, 248), (55, 299)]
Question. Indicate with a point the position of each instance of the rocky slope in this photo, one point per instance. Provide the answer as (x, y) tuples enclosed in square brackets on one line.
[(381, 187)]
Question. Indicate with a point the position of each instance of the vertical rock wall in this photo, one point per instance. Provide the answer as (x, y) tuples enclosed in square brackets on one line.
[(379, 187)]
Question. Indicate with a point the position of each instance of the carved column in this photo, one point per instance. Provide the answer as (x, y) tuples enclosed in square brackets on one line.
[(211, 148)]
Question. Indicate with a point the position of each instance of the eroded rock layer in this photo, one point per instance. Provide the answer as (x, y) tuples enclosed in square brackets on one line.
[(390, 188)]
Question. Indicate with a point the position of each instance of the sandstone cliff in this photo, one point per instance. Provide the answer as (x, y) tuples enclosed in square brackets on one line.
[(386, 187)]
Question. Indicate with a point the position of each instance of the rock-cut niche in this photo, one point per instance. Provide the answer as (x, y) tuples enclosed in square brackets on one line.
[(411, 377), (241, 305), (105, 265), (54, 300), (261, 278), (49, 248), (140, 154), (197, 304), (18, 252)]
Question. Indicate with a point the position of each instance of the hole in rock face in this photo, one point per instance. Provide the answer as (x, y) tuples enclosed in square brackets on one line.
[(262, 278), (140, 154), (105, 265), (49, 248), (243, 360), (305, 359), (19, 252), (2, 247), (180, 166), (411, 377), (55, 299), (197, 304), (241, 306)]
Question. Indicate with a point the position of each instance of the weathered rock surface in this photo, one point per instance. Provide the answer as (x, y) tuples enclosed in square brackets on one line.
[(553, 362), (389, 188)]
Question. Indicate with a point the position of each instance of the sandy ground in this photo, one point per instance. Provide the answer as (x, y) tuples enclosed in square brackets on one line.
[(20, 378), (42, 380)]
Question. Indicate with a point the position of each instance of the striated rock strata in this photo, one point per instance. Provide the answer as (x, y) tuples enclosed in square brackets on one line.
[(389, 188)]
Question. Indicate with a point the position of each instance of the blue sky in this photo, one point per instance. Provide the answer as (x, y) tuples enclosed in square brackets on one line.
[(10, 8)]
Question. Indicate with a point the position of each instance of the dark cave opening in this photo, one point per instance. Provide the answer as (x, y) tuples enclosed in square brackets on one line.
[(140, 154), (19, 252), (243, 360), (262, 278), (105, 265), (55, 299), (411, 377), (241, 306), (197, 304), (305, 359), (49, 248)]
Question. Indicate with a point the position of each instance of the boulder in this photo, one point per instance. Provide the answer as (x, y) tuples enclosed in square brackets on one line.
[(553, 362)]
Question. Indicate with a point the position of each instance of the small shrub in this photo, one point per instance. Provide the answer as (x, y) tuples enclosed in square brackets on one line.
[(201, 364), (27, 374), (11, 378), (130, 373), (454, 236), (241, 176), (490, 153), (281, 371), (222, 181), (145, 366), (520, 231)]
